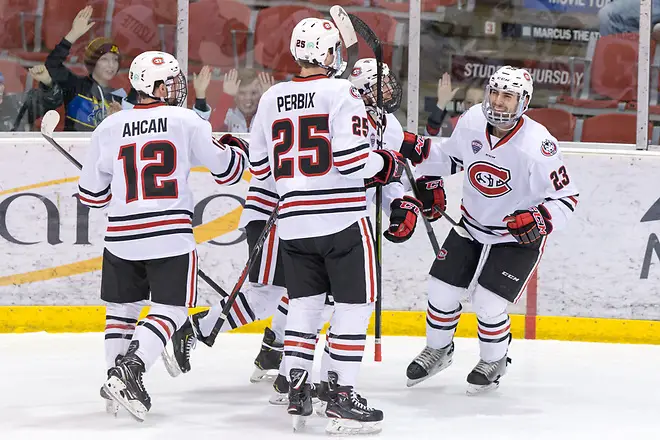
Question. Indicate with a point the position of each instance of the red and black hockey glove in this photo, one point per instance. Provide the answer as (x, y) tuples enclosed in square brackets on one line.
[(530, 225), (391, 171), (403, 219), (234, 141), (431, 192), (415, 148)]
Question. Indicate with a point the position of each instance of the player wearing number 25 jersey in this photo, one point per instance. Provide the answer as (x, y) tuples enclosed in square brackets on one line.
[(303, 138), (138, 166)]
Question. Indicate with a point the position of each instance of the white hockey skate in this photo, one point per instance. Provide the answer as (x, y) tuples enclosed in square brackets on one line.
[(428, 363), (485, 376)]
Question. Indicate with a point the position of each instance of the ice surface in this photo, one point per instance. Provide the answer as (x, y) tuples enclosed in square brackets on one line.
[(553, 390)]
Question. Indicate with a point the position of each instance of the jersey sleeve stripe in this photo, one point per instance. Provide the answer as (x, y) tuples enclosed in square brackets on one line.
[(229, 169), (93, 194), (350, 151), (351, 160), (351, 170), (95, 203)]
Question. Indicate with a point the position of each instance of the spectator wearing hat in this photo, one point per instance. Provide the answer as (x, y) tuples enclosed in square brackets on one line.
[(87, 99), (33, 103)]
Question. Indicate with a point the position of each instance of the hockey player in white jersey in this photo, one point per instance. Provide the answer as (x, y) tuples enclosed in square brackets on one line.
[(138, 166), (516, 192), (303, 138)]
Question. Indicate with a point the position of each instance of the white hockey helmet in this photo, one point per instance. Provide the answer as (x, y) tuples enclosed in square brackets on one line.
[(513, 80), (312, 39), (364, 77), (153, 67)]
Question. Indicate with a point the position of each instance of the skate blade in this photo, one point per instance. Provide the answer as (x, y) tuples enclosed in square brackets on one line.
[(116, 389), (319, 408), (171, 365), (475, 390), (433, 372), (279, 399), (352, 427), (259, 375), (111, 407), (298, 422)]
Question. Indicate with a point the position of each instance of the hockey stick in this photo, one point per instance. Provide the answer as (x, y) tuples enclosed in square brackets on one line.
[(48, 124), (427, 223), (359, 27), (345, 27), (270, 223)]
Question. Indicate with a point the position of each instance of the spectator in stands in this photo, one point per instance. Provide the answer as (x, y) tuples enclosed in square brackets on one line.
[(88, 100), (622, 16), (242, 88), (35, 103), (436, 124)]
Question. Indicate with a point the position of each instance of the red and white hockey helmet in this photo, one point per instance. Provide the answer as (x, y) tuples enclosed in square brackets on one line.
[(152, 67), (364, 77), (312, 39), (508, 79)]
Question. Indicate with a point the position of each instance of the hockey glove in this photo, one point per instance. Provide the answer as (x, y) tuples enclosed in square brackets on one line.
[(431, 192), (527, 226), (403, 219), (391, 171), (234, 141), (415, 148)]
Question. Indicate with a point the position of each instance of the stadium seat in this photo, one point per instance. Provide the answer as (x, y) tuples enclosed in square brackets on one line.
[(11, 22), (273, 35), (611, 128), (610, 75), (15, 76), (384, 26), (560, 123), (135, 28), (56, 23), (216, 28)]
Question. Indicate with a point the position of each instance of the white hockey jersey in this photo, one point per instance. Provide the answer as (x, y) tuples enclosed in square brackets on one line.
[(262, 194), (138, 164), (308, 137), (523, 169)]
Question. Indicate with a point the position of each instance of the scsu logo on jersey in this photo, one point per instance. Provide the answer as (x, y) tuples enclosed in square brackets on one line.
[(489, 180)]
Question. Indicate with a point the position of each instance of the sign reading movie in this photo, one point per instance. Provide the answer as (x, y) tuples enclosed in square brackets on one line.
[(583, 6), (546, 74)]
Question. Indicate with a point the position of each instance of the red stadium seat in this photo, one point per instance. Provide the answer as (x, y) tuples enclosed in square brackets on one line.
[(611, 127), (135, 28), (384, 26), (560, 123), (10, 21), (273, 35), (216, 27), (15, 76), (610, 75)]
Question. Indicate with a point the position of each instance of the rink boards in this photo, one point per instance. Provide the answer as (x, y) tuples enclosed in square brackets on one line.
[(598, 280)]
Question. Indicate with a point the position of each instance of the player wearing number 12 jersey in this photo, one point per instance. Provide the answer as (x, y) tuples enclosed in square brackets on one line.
[(138, 166), (303, 138)]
